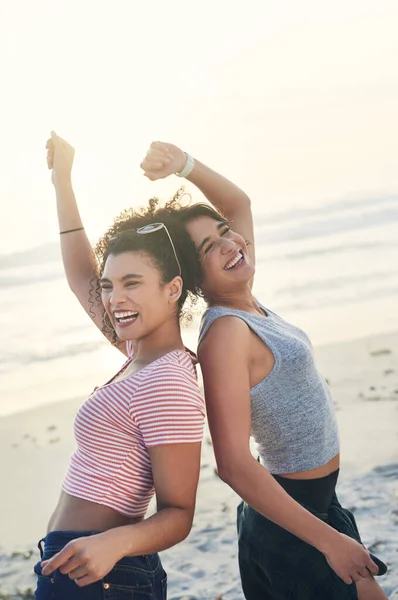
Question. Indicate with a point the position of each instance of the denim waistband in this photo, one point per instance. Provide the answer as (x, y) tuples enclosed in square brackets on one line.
[(54, 541)]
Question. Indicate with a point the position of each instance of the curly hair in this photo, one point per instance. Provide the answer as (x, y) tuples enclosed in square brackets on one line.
[(120, 238)]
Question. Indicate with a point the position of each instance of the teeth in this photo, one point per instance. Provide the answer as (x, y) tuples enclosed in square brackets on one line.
[(122, 315), (233, 262)]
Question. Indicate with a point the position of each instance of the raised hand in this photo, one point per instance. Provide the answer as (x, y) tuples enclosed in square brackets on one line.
[(349, 559), (85, 560), (162, 160), (60, 157)]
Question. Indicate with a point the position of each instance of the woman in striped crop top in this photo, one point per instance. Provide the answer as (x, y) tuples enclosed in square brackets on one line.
[(140, 433), (260, 379)]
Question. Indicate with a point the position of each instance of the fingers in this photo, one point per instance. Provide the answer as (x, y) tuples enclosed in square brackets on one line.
[(153, 165), (160, 146), (58, 142), (57, 560), (71, 565), (155, 155), (371, 566), (364, 573), (151, 176), (50, 159), (86, 580), (79, 573)]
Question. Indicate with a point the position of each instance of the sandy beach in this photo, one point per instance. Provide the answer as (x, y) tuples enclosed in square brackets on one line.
[(363, 375)]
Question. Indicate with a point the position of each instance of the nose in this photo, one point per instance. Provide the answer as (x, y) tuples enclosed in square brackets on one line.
[(227, 245), (118, 296)]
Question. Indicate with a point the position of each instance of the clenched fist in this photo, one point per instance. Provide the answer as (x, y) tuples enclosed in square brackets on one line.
[(60, 157), (162, 160)]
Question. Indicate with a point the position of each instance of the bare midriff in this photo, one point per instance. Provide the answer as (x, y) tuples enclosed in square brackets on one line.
[(323, 471), (76, 514)]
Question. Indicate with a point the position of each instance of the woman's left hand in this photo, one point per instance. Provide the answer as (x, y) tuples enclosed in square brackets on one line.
[(85, 560)]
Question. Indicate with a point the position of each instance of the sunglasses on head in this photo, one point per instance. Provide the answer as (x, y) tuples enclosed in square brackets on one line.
[(151, 228)]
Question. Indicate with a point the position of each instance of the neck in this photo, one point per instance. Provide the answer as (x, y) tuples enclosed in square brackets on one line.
[(238, 300), (161, 341)]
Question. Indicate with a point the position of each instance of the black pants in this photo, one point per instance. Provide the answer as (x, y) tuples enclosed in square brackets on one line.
[(276, 565)]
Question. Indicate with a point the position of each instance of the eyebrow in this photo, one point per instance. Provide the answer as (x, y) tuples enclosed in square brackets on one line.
[(128, 276), (207, 239)]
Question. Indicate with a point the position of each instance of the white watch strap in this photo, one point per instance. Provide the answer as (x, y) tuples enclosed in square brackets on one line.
[(189, 165)]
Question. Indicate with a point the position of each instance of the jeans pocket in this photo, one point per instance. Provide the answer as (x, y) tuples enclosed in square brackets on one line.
[(45, 589), (113, 591)]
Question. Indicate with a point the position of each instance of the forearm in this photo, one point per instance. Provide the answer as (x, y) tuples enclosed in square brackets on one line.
[(77, 254), (162, 530), (256, 486), (222, 193)]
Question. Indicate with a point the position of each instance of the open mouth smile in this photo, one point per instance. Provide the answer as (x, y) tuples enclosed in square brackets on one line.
[(235, 262), (124, 318)]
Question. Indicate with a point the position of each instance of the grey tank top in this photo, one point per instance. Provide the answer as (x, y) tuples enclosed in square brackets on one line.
[(293, 421)]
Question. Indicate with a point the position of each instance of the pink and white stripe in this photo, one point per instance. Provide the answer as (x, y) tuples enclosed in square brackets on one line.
[(120, 421)]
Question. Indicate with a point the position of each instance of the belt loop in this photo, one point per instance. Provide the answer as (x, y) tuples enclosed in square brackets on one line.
[(39, 545)]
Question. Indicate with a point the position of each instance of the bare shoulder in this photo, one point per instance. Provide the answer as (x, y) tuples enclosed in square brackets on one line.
[(228, 335)]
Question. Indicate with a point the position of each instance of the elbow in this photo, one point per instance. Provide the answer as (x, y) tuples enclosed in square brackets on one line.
[(227, 471), (247, 201), (185, 528), (71, 285), (232, 468), (244, 201)]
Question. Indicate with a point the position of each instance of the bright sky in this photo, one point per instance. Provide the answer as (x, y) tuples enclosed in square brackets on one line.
[(296, 100)]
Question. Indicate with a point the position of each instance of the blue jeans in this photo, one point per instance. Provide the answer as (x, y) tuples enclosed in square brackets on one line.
[(138, 577)]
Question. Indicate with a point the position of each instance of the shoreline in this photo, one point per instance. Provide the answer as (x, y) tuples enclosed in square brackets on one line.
[(107, 360), (363, 375)]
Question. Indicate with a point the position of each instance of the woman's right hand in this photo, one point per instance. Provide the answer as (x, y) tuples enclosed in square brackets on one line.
[(60, 157), (349, 559), (163, 160)]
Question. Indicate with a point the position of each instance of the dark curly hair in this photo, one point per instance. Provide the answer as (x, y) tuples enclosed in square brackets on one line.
[(175, 215)]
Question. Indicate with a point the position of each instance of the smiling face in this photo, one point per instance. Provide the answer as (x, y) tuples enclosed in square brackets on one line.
[(223, 255), (135, 297)]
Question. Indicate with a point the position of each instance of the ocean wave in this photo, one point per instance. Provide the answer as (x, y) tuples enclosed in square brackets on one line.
[(23, 279), (46, 253), (335, 249), (334, 283), (23, 358), (323, 228), (339, 206), (310, 301)]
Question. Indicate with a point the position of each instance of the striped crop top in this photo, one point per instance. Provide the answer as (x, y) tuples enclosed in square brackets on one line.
[(121, 420)]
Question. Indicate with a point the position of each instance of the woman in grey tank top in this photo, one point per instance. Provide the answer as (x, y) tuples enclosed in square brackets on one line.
[(260, 379)]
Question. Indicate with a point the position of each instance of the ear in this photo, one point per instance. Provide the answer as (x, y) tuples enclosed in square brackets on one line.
[(175, 289)]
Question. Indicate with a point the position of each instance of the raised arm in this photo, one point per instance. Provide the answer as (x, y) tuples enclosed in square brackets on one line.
[(164, 159), (227, 393), (77, 254)]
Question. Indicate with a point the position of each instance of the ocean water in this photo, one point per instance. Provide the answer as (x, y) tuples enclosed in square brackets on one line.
[(331, 268)]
